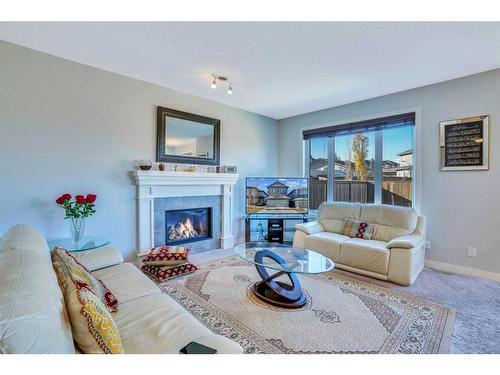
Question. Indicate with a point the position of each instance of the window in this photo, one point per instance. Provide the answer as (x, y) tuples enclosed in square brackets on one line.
[(354, 168), (368, 162), (318, 171), (397, 167)]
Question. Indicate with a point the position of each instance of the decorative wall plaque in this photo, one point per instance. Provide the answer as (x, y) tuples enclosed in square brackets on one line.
[(464, 144)]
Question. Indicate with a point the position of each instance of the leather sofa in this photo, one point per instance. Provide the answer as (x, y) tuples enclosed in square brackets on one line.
[(33, 317), (396, 251)]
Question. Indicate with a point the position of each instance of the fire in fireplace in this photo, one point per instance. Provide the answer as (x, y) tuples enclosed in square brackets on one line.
[(188, 225)]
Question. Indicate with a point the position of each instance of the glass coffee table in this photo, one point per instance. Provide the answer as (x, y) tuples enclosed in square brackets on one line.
[(287, 261)]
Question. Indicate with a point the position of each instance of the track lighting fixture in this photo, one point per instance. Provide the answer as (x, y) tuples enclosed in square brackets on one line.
[(216, 77)]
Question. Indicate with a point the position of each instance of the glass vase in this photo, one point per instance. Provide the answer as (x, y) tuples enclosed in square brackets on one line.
[(77, 227)]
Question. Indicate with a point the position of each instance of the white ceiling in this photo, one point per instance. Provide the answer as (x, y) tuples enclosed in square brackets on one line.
[(278, 69)]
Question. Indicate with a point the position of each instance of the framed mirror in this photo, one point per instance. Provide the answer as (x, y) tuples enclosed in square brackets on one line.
[(187, 138)]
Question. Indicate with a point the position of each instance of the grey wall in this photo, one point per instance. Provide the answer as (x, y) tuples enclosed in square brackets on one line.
[(67, 127), (462, 208)]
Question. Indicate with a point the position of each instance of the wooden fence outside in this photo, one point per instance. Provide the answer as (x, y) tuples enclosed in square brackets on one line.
[(395, 191)]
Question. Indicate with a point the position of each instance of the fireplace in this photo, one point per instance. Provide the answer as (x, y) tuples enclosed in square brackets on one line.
[(188, 225)]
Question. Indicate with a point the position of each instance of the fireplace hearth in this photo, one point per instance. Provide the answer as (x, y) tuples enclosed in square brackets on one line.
[(188, 225)]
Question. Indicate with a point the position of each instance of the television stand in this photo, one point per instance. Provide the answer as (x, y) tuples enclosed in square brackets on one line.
[(275, 227)]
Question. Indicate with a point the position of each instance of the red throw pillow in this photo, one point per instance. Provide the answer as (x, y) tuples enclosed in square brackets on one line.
[(162, 273), (167, 256)]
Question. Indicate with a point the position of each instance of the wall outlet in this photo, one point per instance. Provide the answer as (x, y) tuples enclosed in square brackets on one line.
[(471, 251), (427, 244)]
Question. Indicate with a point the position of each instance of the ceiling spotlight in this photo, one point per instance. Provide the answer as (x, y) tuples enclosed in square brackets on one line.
[(224, 79)]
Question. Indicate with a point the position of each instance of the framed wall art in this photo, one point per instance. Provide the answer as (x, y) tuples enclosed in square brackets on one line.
[(464, 144)]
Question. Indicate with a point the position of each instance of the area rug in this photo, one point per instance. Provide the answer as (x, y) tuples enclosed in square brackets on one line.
[(342, 315)]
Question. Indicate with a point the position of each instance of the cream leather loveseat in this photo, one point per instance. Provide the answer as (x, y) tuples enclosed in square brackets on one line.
[(395, 252), (33, 316)]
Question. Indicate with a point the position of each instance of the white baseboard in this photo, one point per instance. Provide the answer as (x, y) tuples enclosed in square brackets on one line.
[(452, 268)]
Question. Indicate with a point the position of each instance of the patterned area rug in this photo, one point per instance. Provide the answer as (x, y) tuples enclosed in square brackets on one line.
[(342, 315)]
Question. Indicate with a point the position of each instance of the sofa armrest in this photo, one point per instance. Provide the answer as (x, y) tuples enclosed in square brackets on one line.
[(310, 227), (99, 258), (406, 242)]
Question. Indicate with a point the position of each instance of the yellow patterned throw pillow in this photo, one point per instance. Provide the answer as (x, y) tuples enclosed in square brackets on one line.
[(80, 273), (92, 325)]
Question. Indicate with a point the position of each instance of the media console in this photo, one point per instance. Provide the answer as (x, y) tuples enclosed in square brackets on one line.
[(276, 227)]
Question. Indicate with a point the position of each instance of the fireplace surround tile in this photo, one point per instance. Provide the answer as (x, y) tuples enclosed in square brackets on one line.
[(176, 203)]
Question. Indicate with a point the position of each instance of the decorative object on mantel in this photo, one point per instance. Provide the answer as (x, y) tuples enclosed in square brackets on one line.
[(161, 167), (187, 138), (230, 169), (191, 168), (145, 165), (77, 211), (464, 144)]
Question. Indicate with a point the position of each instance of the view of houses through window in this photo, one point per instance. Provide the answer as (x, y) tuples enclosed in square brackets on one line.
[(356, 170)]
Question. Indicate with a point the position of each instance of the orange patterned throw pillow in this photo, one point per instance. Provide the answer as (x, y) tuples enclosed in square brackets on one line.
[(167, 256), (82, 274), (92, 325)]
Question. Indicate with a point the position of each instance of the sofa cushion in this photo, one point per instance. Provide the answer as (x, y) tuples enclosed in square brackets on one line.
[(93, 327), (158, 324), (101, 257), (167, 256), (310, 227), (332, 214), (391, 221), (127, 282), (326, 243), (80, 273), (33, 317), (370, 255), (24, 237)]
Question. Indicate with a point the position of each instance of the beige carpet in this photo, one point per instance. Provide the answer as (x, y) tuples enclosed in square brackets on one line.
[(343, 315)]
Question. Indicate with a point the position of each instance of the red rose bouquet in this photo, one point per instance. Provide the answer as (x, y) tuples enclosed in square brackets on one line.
[(77, 210), (81, 207)]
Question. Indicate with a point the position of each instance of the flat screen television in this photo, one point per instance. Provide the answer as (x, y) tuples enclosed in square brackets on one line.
[(273, 195)]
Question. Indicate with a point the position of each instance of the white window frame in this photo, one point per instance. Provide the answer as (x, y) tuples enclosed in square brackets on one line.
[(416, 146)]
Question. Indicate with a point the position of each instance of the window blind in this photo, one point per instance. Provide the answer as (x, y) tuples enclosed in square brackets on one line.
[(396, 121)]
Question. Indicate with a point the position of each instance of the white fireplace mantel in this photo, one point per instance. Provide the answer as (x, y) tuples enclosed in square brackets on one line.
[(164, 184)]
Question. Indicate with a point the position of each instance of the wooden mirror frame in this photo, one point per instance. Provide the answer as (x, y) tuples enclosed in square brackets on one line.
[(161, 156)]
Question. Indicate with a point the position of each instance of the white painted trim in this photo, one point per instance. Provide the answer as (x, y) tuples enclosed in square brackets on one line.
[(151, 178), (417, 165), (305, 151), (330, 182), (159, 184), (379, 156), (453, 268)]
